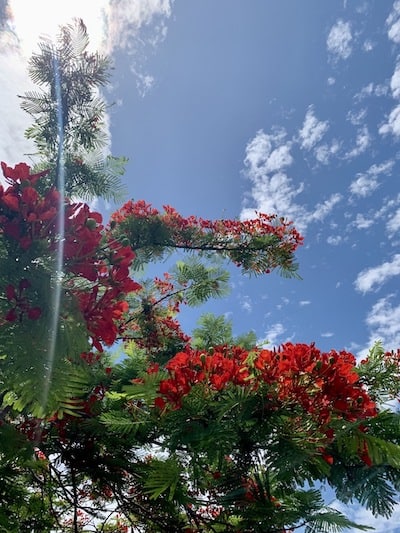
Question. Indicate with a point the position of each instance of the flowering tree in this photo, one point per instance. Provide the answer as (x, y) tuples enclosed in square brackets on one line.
[(183, 433)]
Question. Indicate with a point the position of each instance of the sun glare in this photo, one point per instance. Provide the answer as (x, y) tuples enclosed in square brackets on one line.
[(42, 18)]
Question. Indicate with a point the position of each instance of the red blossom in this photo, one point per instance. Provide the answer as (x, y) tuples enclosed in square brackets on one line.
[(325, 385), (20, 303), (227, 236), (21, 173)]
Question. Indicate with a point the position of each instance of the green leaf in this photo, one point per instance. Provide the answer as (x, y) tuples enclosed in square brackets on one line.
[(332, 521), (163, 478)]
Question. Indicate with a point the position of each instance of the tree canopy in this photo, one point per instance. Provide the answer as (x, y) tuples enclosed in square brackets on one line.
[(200, 432)]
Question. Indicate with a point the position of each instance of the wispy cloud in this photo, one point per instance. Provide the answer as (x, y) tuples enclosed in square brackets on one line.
[(339, 40), (125, 19), (395, 82), (327, 334), (312, 131), (325, 152), (368, 45), (275, 194), (360, 515), (371, 90), (393, 23), (323, 209), (393, 123), (357, 117), (366, 183), (246, 304), (266, 154), (334, 240), (393, 224), (274, 334), (361, 222), (375, 277), (384, 322), (363, 140), (267, 159)]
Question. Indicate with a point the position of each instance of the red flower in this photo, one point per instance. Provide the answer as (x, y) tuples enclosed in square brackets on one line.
[(34, 313), (324, 385), (20, 173), (20, 303)]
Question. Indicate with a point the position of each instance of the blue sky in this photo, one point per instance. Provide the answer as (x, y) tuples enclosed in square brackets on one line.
[(228, 106)]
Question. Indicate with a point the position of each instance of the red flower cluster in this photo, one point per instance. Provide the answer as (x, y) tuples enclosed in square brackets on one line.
[(223, 235), (25, 215), (83, 234), (104, 306), (225, 366), (325, 385), (20, 303), (90, 253), (107, 268)]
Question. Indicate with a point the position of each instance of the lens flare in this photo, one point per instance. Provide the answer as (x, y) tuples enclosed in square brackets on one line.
[(59, 269)]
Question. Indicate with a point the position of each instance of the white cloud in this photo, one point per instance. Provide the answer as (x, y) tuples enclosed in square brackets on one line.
[(365, 184), (276, 194), (381, 89), (272, 335), (372, 89), (324, 152), (368, 45), (144, 82), (339, 40), (393, 123), (387, 210), (246, 304), (362, 223), (327, 334), (262, 157), (267, 157), (331, 81), (383, 168), (334, 240), (357, 117), (302, 303), (395, 82), (362, 142), (127, 17), (14, 121), (384, 323), (393, 225), (393, 23), (360, 515), (392, 126), (312, 131), (373, 277), (322, 210)]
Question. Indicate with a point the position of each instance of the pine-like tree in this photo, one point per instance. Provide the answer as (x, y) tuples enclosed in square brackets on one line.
[(69, 116)]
